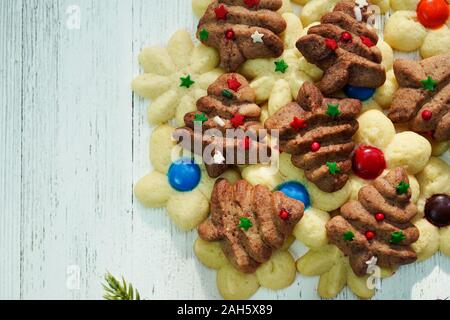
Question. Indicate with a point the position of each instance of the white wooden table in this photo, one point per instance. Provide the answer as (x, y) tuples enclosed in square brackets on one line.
[(74, 141)]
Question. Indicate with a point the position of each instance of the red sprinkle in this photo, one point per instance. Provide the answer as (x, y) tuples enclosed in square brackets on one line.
[(379, 216), (229, 34), (233, 83), (370, 235), (331, 44), (237, 120), (367, 41), (252, 3), (221, 12), (298, 123), (427, 115), (346, 36), (315, 146), (284, 214)]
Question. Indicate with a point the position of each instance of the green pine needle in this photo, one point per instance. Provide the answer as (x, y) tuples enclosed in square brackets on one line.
[(115, 290)]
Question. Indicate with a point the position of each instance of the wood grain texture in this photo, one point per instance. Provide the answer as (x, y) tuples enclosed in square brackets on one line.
[(75, 140)]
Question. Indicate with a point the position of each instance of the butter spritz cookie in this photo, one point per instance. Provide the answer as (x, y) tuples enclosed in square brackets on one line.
[(175, 77)]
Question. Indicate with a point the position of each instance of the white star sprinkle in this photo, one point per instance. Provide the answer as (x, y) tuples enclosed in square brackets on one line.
[(358, 14), (257, 37), (219, 121), (371, 264), (218, 158), (362, 3)]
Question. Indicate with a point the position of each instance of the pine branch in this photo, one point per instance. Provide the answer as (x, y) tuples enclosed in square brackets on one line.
[(115, 290)]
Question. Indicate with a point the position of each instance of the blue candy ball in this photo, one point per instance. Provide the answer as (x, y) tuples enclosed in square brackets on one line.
[(184, 175), (359, 93), (297, 191)]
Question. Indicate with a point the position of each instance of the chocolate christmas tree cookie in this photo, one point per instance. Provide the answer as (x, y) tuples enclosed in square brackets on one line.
[(424, 97), (345, 49), (228, 126), (378, 224), (251, 222), (242, 29), (317, 132)]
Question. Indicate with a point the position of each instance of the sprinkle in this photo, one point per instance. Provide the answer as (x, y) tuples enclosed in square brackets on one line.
[(315, 146), (233, 83), (331, 44), (218, 158), (362, 3), (257, 37), (397, 237), (221, 12), (333, 110), (245, 224), (186, 82), (281, 66), (402, 188), (227, 94), (237, 120), (358, 14), (367, 41), (252, 3), (229, 34), (349, 236), (333, 168), (204, 35), (284, 214), (371, 264), (427, 115), (429, 84), (346, 36), (219, 121), (298, 123), (370, 235), (379, 216), (200, 117)]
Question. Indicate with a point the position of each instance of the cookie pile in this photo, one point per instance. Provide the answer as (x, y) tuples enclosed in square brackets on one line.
[(313, 155)]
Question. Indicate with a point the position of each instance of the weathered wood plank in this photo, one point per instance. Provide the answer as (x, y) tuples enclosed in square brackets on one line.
[(77, 145), (10, 146)]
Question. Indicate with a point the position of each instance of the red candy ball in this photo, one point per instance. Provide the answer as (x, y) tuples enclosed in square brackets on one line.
[(427, 115), (379, 216), (346, 36), (284, 214), (229, 34), (315, 146), (370, 235), (368, 162), (433, 13)]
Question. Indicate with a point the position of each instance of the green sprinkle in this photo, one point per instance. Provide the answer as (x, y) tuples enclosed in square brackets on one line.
[(333, 168), (429, 84), (281, 66), (397, 237), (227, 94), (402, 188), (204, 34), (186, 82), (333, 110), (245, 224), (200, 117), (349, 236)]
